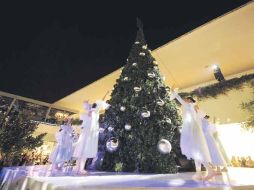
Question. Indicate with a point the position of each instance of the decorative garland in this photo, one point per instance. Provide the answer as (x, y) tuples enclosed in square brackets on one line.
[(214, 90)]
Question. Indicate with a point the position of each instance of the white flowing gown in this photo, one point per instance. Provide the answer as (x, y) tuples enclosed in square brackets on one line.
[(87, 145), (192, 141), (216, 155), (63, 150)]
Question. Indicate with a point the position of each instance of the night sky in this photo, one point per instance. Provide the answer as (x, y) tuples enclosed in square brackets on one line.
[(50, 50)]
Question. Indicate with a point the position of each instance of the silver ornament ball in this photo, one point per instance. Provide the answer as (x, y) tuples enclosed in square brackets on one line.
[(127, 127), (164, 146), (122, 108), (112, 144)]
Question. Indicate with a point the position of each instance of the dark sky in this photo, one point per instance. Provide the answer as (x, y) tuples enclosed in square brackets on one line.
[(49, 50)]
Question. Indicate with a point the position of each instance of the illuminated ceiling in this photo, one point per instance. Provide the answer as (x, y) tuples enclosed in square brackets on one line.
[(186, 61)]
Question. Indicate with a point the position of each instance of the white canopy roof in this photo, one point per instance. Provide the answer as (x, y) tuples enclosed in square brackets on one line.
[(227, 41)]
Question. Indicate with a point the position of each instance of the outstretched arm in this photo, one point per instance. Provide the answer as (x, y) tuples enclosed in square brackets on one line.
[(175, 95), (102, 104)]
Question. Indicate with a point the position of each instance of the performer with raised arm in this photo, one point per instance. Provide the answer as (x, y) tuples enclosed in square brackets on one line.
[(87, 145), (192, 141)]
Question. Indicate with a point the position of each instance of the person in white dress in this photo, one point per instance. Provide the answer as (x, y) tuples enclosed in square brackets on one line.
[(63, 150), (87, 145), (192, 140), (218, 158)]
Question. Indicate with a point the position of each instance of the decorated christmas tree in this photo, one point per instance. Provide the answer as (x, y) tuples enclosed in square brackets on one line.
[(142, 123)]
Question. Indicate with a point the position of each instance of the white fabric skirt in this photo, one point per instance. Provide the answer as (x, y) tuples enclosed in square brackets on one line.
[(193, 143)]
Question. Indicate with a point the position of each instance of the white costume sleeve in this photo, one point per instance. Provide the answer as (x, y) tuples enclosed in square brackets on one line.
[(102, 104), (175, 95), (212, 128)]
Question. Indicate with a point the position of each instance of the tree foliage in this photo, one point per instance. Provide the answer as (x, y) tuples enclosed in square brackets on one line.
[(141, 100)]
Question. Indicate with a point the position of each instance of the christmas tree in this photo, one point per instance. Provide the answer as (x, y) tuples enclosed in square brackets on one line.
[(16, 136), (141, 114)]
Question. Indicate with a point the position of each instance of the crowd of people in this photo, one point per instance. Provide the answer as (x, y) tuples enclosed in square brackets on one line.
[(33, 158), (238, 161)]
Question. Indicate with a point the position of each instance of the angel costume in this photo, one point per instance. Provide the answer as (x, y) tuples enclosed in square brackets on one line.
[(192, 141), (217, 158), (87, 145), (63, 150)]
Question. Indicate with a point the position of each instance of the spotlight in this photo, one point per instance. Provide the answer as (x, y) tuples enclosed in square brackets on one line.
[(217, 73), (215, 67)]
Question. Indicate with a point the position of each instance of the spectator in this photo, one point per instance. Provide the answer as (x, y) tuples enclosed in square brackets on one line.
[(249, 162), (235, 162), (243, 162)]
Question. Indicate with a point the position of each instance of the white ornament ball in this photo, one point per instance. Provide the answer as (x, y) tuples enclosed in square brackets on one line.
[(142, 54), (145, 114), (151, 75), (110, 128), (127, 127), (122, 108), (144, 47), (137, 42), (164, 146), (137, 89), (112, 144), (125, 78), (134, 64), (155, 62)]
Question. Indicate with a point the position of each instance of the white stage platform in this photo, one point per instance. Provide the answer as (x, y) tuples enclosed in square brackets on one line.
[(39, 178)]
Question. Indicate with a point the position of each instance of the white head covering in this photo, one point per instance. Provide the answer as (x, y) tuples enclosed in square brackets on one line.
[(87, 106)]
